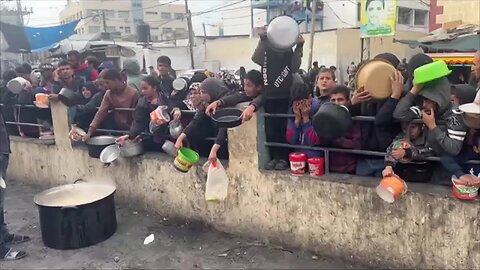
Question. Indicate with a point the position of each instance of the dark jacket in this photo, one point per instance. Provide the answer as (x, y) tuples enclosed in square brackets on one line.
[(76, 87), (378, 135), (141, 117), (4, 140), (443, 139), (166, 85)]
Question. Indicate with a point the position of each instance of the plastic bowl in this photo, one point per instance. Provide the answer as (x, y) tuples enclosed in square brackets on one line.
[(430, 72)]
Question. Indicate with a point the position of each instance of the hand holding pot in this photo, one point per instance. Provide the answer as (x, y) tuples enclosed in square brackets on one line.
[(212, 108), (177, 114), (122, 140), (397, 85), (470, 180), (248, 113), (87, 136), (361, 96)]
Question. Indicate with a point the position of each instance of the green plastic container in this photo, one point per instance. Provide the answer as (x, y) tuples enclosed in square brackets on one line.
[(185, 159), (430, 72)]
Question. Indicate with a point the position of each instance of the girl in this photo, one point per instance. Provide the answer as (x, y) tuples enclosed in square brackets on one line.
[(202, 126), (151, 98)]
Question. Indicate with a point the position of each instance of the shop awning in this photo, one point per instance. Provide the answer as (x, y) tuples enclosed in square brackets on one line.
[(470, 43)]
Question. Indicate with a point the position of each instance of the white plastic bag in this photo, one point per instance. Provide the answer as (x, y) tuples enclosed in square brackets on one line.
[(217, 182)]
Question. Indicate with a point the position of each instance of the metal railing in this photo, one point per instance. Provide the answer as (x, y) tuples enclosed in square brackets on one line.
[(328, 150), (17, 122)]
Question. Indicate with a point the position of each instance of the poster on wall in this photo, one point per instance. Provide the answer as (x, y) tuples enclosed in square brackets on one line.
[(378, 18)]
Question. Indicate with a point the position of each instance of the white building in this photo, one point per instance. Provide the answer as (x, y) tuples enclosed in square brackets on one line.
[(167, 21)]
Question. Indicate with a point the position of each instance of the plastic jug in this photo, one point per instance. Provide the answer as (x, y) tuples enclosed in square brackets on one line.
[(217, 182)]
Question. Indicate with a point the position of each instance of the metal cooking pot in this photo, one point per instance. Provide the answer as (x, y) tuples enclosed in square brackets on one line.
[(97, 144), (180, 84), (131, 149), (471, 115), (283, 32), (77, 215), (68, 97), (169, 148), (175, 128), (17, 84), (332, 121), (110, 154)]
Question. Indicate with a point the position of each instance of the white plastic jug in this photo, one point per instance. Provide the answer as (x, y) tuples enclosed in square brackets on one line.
[(217, 183)]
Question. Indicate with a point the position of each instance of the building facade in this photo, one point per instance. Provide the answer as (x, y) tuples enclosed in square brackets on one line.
[(166, 21), (444, 11)]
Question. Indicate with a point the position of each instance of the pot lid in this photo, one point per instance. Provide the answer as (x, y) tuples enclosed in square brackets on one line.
[(282, 32), (74, 194), (374, 76), (179, 84), (470, 108)]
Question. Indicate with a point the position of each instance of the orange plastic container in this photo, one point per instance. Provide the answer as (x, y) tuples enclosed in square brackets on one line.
[(391, 188)]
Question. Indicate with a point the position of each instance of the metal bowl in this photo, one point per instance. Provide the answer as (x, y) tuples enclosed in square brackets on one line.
[(283, 32), (131, 149)]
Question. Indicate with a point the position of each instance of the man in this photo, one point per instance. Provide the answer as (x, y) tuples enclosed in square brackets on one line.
[(7, 254), (134, 75), (81, 69), (64, 77), (118, 95), (475, 75), (164, 66)]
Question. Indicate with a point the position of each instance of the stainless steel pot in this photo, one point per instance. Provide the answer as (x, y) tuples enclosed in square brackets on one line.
[(68, 97), (131, 149), (97, 144), (471, 115), (175, 128), (283, 32), (169, 148), (110, 154)]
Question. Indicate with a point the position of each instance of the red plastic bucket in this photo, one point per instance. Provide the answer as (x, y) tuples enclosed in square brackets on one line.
[(298, 163), (316, 166)]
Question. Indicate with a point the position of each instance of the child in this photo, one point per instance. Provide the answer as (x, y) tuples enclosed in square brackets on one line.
[(405, 150), (325, 82), (300, 129)]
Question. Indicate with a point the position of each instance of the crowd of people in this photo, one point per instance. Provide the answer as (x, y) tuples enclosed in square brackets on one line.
[(122, 99)]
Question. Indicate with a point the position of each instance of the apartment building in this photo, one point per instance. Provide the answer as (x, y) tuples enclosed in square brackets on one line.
[(167, 21), (444, 11)]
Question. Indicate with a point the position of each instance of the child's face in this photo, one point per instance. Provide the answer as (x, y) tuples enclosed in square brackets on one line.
[(415, 131), (86, 93)]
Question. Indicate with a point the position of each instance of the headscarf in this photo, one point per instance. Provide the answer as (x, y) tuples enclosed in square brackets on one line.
[(188, 101), (215, 88), (92, 88), (228, 79)]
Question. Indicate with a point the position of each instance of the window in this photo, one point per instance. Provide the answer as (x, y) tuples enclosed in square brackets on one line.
[(405, 16), (109, 13), (123, 14), (420, 18), (167, 30), (178, 16), (166, 15), (111, 29), (154, 28), (151, 13), (93, 29), (180, 32), (128, 30)]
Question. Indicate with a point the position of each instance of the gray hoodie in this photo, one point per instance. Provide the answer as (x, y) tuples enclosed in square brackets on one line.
[(446, 138)]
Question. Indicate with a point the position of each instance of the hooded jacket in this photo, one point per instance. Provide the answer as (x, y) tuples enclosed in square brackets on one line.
[(134, 75), (447, 138)]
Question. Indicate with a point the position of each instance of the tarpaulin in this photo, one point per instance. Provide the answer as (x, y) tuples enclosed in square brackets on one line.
[(24, 38)]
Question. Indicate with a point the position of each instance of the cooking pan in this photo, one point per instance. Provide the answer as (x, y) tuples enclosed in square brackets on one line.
[(68, 97), (332, 121), (228, 117), (131, 148), (96, 145), (77, 215)]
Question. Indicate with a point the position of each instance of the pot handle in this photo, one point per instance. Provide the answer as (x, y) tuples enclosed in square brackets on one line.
[(106, 165), (79, 180)]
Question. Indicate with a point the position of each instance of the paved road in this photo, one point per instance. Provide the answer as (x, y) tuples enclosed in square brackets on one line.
[(177, 245)]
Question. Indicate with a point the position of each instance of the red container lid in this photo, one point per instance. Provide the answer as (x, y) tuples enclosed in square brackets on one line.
[(298, 156)]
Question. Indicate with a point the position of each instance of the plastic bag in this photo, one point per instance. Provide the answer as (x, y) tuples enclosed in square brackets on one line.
[(217, 183)]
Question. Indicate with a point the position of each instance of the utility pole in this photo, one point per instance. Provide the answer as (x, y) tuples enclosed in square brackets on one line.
[(312, 33), (251, 19), (104, 21), (190, 33)]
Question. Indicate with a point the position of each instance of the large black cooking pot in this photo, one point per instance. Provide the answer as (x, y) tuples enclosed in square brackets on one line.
[(77, 215), (96, 145), (332, 121)]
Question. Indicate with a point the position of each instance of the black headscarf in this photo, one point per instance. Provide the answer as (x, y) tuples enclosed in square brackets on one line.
[(216, 88)]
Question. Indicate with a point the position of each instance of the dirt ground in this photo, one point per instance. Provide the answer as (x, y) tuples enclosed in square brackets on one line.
[(177, 245)]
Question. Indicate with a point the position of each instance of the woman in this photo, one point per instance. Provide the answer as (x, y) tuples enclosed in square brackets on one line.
[(92, 98), (202, 126), (149, 101)]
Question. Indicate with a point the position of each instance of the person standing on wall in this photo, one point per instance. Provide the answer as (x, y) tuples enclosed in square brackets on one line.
[(164, 66), (278, 68), (6, 238)]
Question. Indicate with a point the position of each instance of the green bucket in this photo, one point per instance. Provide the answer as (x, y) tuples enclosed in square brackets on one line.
[(185, 159), (431, 71)]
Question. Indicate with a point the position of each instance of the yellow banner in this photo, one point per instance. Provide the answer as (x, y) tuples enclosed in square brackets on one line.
[(378, 18)]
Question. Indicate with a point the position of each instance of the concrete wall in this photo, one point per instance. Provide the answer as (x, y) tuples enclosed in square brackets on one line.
[(334, 216), (465, 10)]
